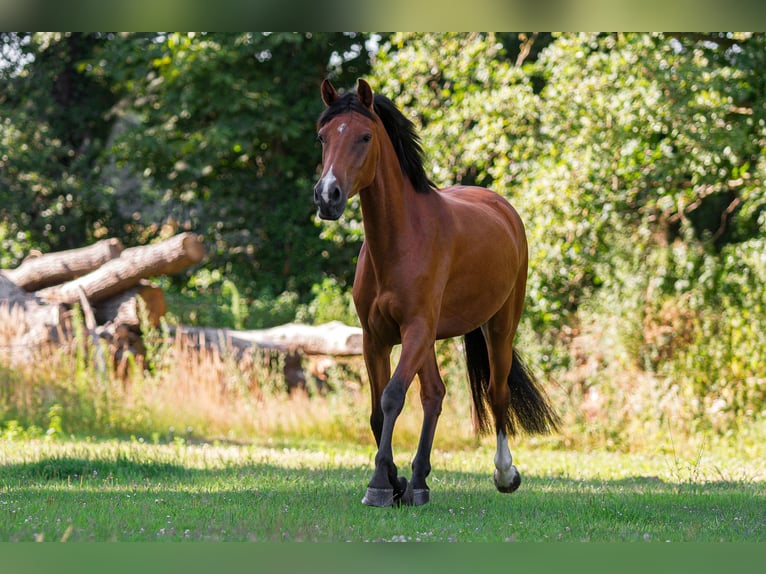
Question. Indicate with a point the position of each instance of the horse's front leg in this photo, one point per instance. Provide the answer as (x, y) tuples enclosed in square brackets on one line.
[(432, 393), (386, 487), (377, 359)]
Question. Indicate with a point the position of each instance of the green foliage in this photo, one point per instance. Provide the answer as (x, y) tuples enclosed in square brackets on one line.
[(220, 129), (134, 135), (722, 357), (636, 162), (55, 428), (331, 302), (211, 299), (54, 125)]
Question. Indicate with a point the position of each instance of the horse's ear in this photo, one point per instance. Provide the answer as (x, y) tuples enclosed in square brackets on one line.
[(364, 93), (329, 95)]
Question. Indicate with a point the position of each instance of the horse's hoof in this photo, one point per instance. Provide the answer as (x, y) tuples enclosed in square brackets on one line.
[(511, 486), (420, 496), (379, 497), (415, 496)]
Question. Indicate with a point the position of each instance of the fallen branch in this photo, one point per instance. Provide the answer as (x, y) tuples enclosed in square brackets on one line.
[(53, 268), (124, 308), (333, 338), (115, 276), (10, 293)]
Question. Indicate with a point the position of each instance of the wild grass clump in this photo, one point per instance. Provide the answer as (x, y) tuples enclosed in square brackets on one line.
[(180, 392)]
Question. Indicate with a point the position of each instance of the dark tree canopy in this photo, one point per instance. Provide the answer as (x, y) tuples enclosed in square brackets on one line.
[(129, 134)]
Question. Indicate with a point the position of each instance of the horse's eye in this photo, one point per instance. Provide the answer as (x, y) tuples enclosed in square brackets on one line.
[(366, 138), (320, 139)]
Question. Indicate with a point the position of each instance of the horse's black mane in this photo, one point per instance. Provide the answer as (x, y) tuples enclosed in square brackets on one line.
[(400, 130)]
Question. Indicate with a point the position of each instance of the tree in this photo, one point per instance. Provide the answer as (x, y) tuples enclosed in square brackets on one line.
[(221, 129), (55, 123), (134, 135), (636, 161)]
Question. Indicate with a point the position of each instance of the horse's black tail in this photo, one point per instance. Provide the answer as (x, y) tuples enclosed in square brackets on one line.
[(529, 409)]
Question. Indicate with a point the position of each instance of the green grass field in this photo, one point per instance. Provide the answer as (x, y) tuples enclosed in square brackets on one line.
[(133, 491), (204, 449)]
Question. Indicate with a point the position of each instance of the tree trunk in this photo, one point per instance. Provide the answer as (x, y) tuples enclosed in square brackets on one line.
[(53, 268), (10, 293), (333, 338), (123, 309), (165, 258), (25, 325)]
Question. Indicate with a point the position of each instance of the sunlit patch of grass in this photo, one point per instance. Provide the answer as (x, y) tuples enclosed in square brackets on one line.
[(277, 490)]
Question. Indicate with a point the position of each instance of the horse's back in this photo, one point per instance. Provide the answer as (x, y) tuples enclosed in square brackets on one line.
[(480, 200), (481, 208)]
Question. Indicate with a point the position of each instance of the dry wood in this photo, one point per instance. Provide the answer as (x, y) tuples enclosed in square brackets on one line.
[(110, 285), (10, 293), (123, 309), (333, 338), (115, 276), (109, 293), (27, 325), (25, 321), (53, 268)]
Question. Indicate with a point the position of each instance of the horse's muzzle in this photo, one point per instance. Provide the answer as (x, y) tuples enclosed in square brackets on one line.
[(330, 200)]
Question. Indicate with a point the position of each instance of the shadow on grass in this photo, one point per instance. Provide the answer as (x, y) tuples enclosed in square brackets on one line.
[(125, 499), (69, 468)]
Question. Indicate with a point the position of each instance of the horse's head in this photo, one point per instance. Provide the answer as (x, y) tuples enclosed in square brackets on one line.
[(348, 131)]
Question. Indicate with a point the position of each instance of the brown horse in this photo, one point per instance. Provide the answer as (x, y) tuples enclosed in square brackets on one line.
[(434, 264)]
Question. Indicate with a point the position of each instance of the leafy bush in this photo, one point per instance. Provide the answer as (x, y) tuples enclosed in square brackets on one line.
[(331, 302), (636, 162)]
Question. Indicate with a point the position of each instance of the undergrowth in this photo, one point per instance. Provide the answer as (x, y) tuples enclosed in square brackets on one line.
[(178, 392)]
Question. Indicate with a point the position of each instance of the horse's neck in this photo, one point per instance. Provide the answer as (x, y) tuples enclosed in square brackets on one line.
[(388, 213)]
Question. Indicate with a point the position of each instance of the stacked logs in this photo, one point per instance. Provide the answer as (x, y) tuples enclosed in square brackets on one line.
[(106, 280), (111, 285)]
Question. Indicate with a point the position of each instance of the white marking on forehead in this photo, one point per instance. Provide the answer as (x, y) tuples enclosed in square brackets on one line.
[(328, 181), (341, 127)]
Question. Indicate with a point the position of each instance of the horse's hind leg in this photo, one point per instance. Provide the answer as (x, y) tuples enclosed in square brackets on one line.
[(499, 333), (431, 395)]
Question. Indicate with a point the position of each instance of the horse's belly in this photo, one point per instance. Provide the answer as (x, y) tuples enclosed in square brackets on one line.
[(479, 288), (470, 313)]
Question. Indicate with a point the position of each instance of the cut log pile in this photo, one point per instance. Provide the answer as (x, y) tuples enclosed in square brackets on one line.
[(112, 285), (106, 280)]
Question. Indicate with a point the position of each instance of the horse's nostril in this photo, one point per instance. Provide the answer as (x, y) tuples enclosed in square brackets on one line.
[(336, 195)]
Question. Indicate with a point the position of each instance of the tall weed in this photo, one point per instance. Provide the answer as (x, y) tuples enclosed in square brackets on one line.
[(608, 396)]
